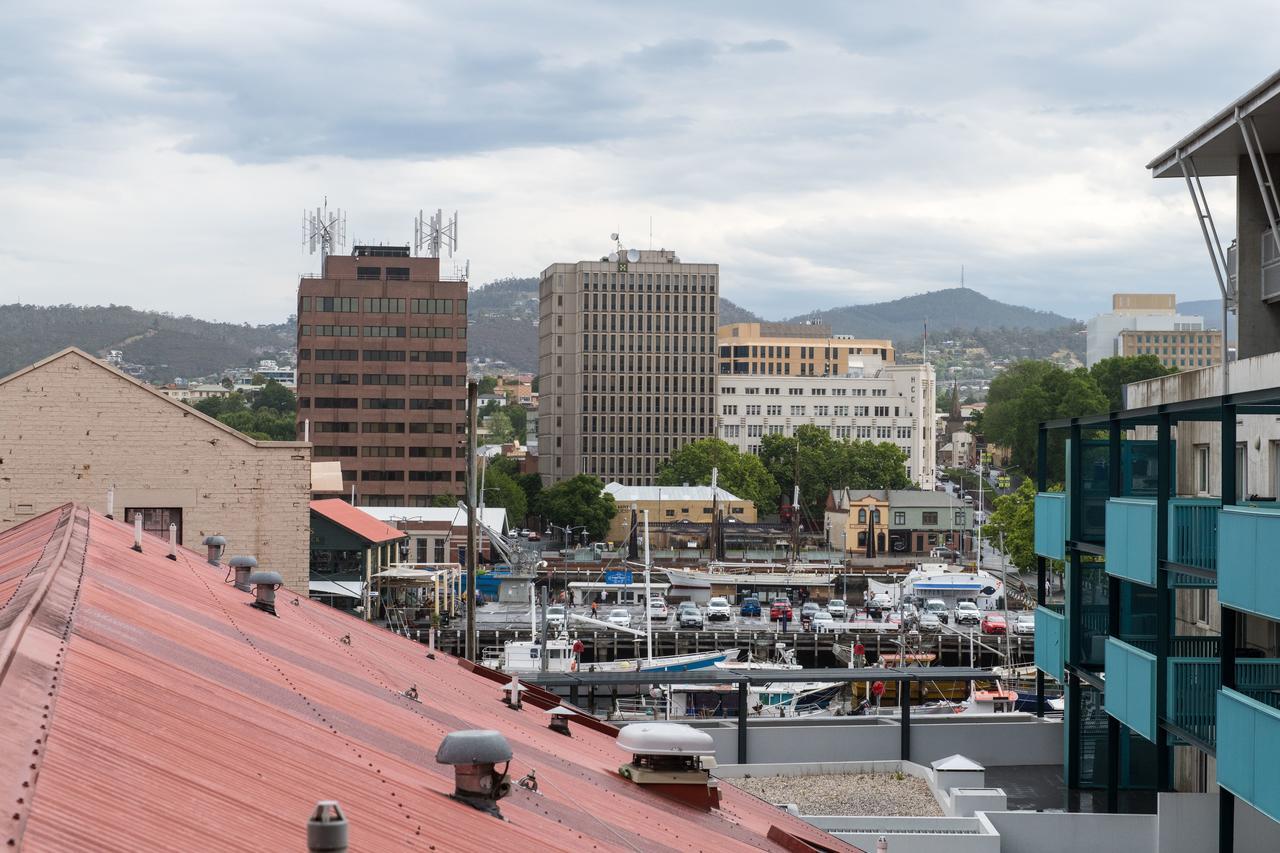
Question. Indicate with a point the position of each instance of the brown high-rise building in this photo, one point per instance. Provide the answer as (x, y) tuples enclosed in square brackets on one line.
[(382, 374)]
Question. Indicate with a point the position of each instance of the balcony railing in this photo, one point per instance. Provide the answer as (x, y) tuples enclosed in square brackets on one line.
[(1051, 525), (1192, 689), (1248, 750), (1131, 687), (1248, 542), (1193, 538), (1131, 539), (1051, 632)]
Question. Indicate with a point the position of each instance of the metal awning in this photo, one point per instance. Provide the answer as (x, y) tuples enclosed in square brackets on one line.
[(1217, 145), (337, 589)]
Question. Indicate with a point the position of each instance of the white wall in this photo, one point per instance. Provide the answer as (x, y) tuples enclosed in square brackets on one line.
[(1059, 832)]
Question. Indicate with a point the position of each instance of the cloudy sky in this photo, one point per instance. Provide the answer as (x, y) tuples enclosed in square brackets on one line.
[(160, 154)]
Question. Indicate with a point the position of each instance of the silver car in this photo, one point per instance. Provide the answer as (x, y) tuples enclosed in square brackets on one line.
[(1025, 623)]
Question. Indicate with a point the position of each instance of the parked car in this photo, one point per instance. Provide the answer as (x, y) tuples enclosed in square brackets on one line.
[(944, 554), (779, 608), (1025, 623), (993, 623), (750, 606), (823, 621), (689, 616), (938, 608), (619, 616), (930, 622), (808, 609), (657, 608), (967, 613), (836, 607), (534, 537), (718, 610), (555, 616)]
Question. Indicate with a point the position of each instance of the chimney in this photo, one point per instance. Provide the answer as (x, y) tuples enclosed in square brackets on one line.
[(474, 756), (241, 567), (672, 759), (327, 829), (216, 545), (265, 585), (173, 542), (137, 533)]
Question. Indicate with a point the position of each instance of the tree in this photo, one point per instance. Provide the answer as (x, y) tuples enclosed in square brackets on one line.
[(943, 403), (264, 424), (1112, 374), (739, 473), (827, 464), (215, 407), (444, 501), (501, 490), (500, 429), (1012, 525), (1033, 391), (579, 501), (488, 384), (277, 398)]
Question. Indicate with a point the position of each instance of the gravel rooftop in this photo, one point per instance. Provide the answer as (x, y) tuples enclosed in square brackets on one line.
[(879, 794)]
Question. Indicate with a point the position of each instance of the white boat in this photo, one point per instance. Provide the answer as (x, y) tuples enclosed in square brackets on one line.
[(710, 701), (754, 575), (526, 656), (948, 582)]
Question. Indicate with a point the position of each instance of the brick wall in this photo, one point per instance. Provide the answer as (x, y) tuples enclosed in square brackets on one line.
[(71, 427)]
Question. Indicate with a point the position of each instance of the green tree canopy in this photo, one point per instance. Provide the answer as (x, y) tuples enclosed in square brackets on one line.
[(1012, 526), (499, 426), (488, 384), (501, 490), (827, 464), (1033, 391), (580, 500), (1112, 374), (264, 424), (443, 501), (740, 473), (217, 406), (277, 398)]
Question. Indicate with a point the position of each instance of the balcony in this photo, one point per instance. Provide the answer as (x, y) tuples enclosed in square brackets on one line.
[(1131, 687), (1131, 543), (1248, 750), (1193, 685), (1193, 539), (1051, 629), (1248, 542), (1051, 525)]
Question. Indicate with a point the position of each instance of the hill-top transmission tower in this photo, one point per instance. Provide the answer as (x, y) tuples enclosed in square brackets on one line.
[(432, 235), (324, 231)]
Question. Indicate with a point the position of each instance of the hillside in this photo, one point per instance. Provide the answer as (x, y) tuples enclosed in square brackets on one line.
[(956, 308), (167, 346)]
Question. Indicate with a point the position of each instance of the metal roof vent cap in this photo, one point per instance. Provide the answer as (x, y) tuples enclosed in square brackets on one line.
[(216, 545), (513, 689), (327, 828), (241, 567), (560, 720), (672, 759), (265, 585), (474, 755)]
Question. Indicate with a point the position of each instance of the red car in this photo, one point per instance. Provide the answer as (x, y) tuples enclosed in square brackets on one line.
[(779, 608), (993, 623)]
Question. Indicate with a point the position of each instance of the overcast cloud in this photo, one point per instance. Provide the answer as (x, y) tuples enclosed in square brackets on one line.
[(160, 154)]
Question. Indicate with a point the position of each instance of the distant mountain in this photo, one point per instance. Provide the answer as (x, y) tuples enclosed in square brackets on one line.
[(166, 346), (956, 308), (1211, 310)]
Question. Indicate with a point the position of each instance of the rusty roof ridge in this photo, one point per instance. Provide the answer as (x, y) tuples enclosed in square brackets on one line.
[(41, 612), (399, 801), (36, 563)]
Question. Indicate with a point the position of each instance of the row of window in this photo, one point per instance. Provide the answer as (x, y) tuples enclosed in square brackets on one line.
[(384, 331), (651, 425), (371, 403), (412, 476), (628, 364), (382, 355), (648, 281), (429, 379), (382, 305), (375, 273), (391, 452), (638, 343), (783, 351), (396, 428), (772, 391), (754, 409), (647, 384), (900, 517)]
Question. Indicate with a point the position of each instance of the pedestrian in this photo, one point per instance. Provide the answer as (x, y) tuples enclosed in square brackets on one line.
[(595, 608), (782, 622)]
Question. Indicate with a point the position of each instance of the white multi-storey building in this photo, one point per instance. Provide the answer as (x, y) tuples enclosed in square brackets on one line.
[(874, 402)]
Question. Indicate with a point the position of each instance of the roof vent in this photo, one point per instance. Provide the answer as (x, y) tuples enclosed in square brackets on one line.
[(560, 720), (672, 759), (241, 568), (513, 689), (474, 756), (265, 585), (216, 545), (327, 829)]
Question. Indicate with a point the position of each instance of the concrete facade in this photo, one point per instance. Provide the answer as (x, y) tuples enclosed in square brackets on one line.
[(1149, 324), (71, 427), (1259, 319), (626, 365), (796, 349)]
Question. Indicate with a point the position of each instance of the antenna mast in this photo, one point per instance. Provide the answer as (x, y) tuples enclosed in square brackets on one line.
[(432, 235), (323, 231)]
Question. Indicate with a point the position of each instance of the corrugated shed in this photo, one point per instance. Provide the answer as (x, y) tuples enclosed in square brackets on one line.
[(356, 520), (179, 718)]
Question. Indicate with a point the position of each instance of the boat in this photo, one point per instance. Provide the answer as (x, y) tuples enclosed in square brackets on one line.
[(951, 583), (519, 656), (752, 575), (714, 701)]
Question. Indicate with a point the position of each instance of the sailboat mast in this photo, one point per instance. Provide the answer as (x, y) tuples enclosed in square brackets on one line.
[(648, 595)]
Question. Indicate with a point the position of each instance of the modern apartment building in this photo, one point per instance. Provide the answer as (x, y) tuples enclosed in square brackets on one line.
[(382, 370), (626, 364), (771, 383), (795, 349), (1149, 324)]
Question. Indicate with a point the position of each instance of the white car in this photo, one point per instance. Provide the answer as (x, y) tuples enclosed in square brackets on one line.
[(1025, 623), (555, 616), (657, 608), (823, 621), (967, 613), (836, 607), (619, 616), (718, 610)]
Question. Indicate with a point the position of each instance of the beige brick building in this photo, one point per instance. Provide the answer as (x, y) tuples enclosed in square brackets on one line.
[(71, 427)]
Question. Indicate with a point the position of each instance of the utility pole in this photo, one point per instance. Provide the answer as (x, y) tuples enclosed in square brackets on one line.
[(713, 540), (473, 394), (648, 595)]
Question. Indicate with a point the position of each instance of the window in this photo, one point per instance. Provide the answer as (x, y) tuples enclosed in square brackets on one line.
[(797, 411), (434, 332), (334, 426), (1202, 469), (773, 410), (382, 452), (383, 404), (397, 273), (336, 331), (437, 357), (729, 410), (419, 405), (753, 410), (862, 516), (156, 520), (335, 379), (432, 379), (1242, 472), (368, 273), (383, 428), (336, 303), (899, 518), (384, 331), (337, 354), (380, 305), (383, 355), (335, 450), (929, 517), (431, 306), (959, 518), (384, 379), (429, 452), (382, 476), (336, 403)]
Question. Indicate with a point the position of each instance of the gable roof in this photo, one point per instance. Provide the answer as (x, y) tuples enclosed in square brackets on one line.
[(147, 707), (118, 374), (356, 521), (627, 494)]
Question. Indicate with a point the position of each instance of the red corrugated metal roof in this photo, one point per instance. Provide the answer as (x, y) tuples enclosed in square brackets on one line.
[(148, 707), (358, 522)]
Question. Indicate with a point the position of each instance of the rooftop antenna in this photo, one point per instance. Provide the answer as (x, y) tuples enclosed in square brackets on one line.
[(324, 231), (433, 235), (962, 276)]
